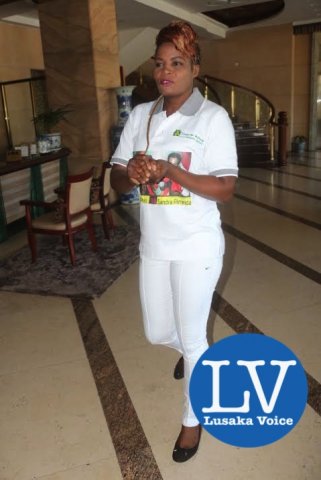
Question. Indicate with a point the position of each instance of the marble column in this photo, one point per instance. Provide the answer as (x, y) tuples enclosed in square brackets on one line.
[(80, 48)]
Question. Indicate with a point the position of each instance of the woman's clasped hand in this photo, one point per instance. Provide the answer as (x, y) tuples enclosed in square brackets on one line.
[(144, 169)]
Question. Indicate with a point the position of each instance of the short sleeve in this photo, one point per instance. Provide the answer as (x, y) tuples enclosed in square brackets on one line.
[(220, 151)]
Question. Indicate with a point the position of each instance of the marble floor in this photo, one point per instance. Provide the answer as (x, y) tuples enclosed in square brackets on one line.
[(85, 397)]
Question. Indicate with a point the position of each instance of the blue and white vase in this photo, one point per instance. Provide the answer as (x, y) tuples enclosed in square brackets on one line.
[(49, 142), (124, 102)]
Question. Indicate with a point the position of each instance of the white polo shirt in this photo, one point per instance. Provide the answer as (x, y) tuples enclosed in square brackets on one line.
[(177, 224)]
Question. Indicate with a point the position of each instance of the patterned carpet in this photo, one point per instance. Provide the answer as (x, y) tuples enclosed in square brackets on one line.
[(53, 274)]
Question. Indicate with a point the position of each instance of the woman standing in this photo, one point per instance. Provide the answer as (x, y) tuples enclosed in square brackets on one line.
[(182, 244)]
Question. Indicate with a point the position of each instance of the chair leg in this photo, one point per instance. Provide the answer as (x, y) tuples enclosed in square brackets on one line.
[(105, 224), (110, 218), (33, 246), (108, 222), (31, 235), (91, 234), (71, 249)]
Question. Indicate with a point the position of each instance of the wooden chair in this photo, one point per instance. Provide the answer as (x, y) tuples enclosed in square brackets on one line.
[(101, 204), (75, 215)]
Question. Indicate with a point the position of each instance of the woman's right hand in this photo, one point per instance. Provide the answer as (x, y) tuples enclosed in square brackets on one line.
[(140, 168)]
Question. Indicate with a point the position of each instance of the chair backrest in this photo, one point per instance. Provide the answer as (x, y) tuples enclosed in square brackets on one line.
[(78, 192), (105, 178)]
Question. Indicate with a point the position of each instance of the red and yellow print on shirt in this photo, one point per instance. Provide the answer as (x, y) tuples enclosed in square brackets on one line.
[(168, 192)]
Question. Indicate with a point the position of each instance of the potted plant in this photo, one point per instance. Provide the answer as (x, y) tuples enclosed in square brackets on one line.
[(299, 143), (45, 122)]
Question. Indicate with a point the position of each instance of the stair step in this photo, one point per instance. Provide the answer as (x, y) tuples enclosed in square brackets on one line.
[(253, 145), (253, 159), (253, 141)]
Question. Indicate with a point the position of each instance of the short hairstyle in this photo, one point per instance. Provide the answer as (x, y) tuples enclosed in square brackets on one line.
[(183, 37), (175, 155)]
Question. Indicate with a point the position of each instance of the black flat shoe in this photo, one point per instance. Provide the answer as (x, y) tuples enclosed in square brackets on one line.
[(179, 369), (181, 455)]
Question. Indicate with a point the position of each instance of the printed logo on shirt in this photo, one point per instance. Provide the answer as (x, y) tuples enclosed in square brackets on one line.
[(190, 136), (168, 192)]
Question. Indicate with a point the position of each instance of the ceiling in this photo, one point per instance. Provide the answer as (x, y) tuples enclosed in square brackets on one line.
[(132, 14)]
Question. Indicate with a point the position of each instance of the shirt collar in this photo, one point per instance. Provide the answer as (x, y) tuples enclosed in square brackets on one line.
[(189, 107)]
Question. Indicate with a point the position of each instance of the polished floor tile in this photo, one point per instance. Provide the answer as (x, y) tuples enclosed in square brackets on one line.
[(55, 423), (100, 470), (37, 331), (276, 231), (307, 207), (51, 420), (276, 179)]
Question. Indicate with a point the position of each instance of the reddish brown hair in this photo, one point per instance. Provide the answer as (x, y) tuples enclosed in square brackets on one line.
[(184, 39)]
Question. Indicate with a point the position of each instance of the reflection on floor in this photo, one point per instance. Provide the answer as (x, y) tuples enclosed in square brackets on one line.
[(85, 397)]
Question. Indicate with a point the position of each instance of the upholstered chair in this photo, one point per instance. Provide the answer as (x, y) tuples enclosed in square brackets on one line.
[(75, 215), (100, 202)]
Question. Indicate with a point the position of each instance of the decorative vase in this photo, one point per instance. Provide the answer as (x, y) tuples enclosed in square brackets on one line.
[(124, 102), (49, 142)]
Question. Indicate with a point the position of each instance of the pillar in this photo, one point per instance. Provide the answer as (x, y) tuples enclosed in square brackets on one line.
[(80, 47)]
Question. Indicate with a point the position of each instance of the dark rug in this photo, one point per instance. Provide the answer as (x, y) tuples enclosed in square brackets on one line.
[(53, 274)]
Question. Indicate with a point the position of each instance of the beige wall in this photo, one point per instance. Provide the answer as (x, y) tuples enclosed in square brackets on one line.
[(301, 69), (270, 60), (20, 51)]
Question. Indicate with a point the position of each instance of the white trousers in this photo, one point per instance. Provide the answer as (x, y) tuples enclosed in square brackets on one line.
[(176, 300)]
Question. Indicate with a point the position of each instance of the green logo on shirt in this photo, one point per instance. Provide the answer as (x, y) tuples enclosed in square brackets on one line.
[(190, 136)]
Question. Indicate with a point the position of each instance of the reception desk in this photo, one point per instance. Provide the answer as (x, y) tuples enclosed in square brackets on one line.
[(34, 178)]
